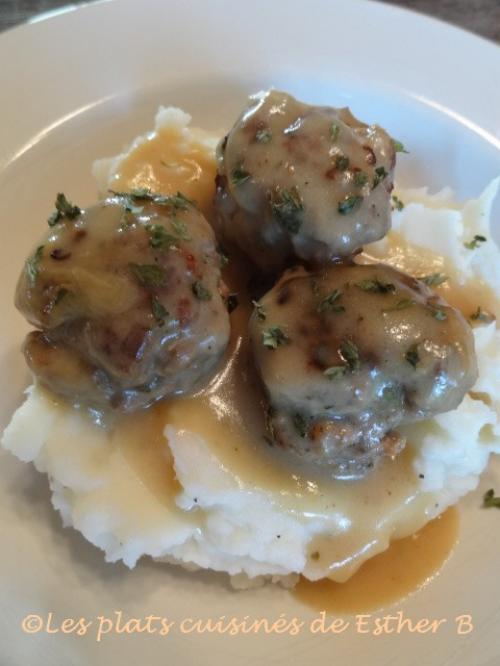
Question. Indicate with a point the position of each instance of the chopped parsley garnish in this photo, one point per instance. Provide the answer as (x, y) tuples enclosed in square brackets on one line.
[(263, 135), (33, 264), (62, 292), (224, 258), (239, 176), (397, 203), (439, 314), (341, 162), (391, 394), (400, 305), (128, 220), (350, 354), (482, 316), (360, 178), (177, 201), (64, 209), (475, 242), (159, 312), (181, 229), (232, 302), (159, 238), (334, 131), (150, 276), (376, 286), (300, 424), (329, 303), (434, 279), (380, 174), (398, 147), (349, 204), (274, 337), (335, 372), (200, 291), (412, 356), (287, 207), (260, 310), (489, 499)]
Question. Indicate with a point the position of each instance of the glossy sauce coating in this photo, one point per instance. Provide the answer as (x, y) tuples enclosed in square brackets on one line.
[(126, 297), (389, 577), (349, 353), (301, 181)]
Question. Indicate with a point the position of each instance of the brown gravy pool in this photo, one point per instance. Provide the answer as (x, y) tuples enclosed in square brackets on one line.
[(405, 567)]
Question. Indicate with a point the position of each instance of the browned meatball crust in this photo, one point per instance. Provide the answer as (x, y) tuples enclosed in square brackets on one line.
[(301, 181), (349, 353), (126, 297)]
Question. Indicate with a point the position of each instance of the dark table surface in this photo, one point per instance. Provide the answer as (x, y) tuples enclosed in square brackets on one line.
[(479, 16)]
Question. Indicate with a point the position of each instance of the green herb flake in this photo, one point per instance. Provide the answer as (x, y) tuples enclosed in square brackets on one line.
[(159, 238), (274, 337), (64, 209), (400, 305), (475, 242), (434, 279), (334, 131), (150, 276), (33, 264), (439, 314), (159, 312), (412, 356), (200, 291), (131, 208), (232, 302), (482, 316), (181, 230), (239, 176), (397, 204), (391, 395), (376, 286), (380, 174), (287, 207), (360, 178), (224, 257), (349, 204), (341, 162), (61, 293), (127, 220), (489, 499), (398, 147), (260, 310), (263, 135), (350, 354), (176, 201), (301, 425), (335, 372), (329, 303)]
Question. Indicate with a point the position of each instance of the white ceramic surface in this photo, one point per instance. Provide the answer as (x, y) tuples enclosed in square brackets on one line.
[(77, 87)]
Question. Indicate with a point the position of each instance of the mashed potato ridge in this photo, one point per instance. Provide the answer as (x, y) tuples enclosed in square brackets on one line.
[(174, 497)]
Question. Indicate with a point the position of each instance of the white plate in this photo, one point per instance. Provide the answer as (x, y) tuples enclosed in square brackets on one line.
[(79, 86)]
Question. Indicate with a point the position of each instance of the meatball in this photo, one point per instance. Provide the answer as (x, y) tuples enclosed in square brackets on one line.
[(300, 181), (349, 353), (126, 297)]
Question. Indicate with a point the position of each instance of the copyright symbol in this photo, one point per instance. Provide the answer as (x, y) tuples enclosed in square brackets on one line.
[(32, 624)]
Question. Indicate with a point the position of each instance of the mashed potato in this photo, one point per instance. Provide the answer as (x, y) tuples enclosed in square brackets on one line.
[(155, 484)]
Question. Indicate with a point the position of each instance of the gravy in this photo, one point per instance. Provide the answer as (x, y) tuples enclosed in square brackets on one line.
[(385, 506)]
